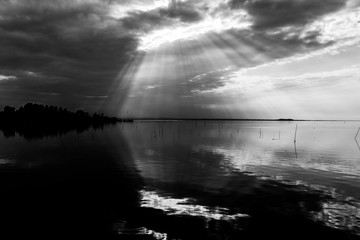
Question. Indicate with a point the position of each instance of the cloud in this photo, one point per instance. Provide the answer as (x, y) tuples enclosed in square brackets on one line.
[(274, 13), (240, 83), (184, 11), (182, 20), (4, 78), (145, 19), (75, 47), (84, 43), (328, 94), (144, 22), (96, 97), (328, 35), (342, 25), (207, 81), (152, 87)]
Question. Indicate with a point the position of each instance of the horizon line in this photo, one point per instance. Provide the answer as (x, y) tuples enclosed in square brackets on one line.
[(239, 119)]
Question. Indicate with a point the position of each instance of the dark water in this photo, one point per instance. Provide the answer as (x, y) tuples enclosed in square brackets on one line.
[(185, 180)]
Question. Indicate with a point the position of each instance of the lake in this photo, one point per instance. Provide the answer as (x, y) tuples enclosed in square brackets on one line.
[(185, 180)]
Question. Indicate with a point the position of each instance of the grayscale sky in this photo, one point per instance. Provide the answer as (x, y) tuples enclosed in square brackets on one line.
[(184, 58)]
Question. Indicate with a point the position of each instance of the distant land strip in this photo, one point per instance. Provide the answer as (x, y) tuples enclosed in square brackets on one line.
[(243, 119)]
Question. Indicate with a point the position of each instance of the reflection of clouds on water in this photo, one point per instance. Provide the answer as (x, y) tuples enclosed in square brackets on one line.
[(336, 210), (244, 159), (339, 212), (184, 206), (340, 215), (123, 228), (221, 164), (7, 162)]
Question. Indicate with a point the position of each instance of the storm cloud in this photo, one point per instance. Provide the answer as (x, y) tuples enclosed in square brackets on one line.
[(73, 53), (74, 43), (275, 13)]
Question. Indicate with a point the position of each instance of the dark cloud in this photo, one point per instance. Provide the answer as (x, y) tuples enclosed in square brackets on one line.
[(184, 11), (75, 41), (144, 21), (175, 12), (78, 48), (275, 13), (74, 49)]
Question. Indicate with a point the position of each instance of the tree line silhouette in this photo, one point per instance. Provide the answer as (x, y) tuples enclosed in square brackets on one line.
[(38, 121)]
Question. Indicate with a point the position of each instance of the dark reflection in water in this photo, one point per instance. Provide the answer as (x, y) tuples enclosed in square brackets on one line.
[(184, 180), (73, 185)]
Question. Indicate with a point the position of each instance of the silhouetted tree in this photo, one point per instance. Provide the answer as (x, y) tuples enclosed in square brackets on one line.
[(9, 110), (35, 120)]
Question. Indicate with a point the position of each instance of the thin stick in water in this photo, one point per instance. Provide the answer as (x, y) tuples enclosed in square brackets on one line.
[(357, 133), (295, 133), (295, 149)]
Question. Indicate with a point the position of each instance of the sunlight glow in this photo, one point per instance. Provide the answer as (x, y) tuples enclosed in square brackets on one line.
[(192, 31), (200, 68), (180, 72)]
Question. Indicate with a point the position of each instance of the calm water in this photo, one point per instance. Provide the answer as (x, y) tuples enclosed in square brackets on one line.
[(185, 180)]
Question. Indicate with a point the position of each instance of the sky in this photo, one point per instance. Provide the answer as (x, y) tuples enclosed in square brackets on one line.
[(184, 58)]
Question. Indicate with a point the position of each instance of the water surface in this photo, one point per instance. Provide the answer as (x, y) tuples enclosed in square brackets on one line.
[(185, 180)]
